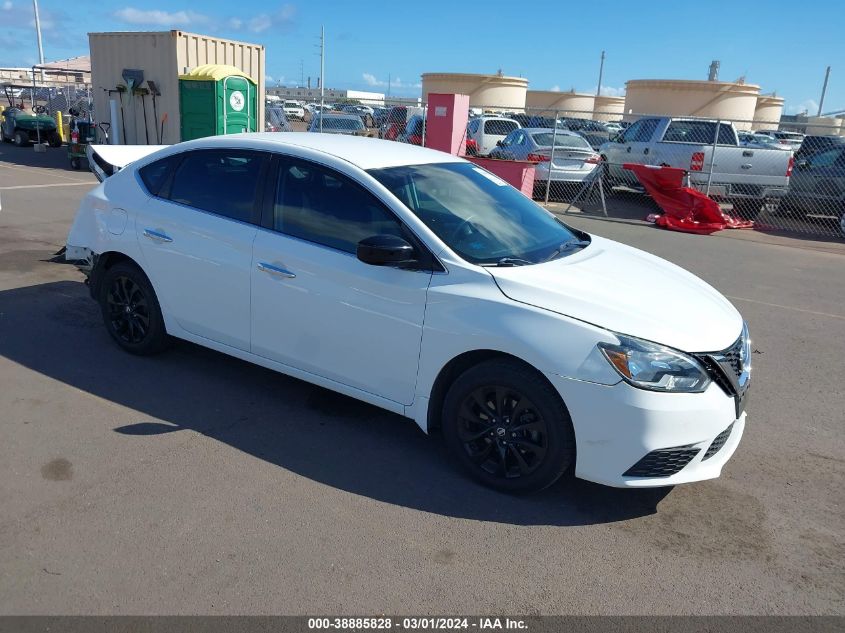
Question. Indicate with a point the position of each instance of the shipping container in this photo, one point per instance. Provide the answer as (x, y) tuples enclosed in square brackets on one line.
[(162, 56)]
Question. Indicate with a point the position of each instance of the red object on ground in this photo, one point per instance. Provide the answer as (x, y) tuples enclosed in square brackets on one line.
[(518, 173), (684, 209)]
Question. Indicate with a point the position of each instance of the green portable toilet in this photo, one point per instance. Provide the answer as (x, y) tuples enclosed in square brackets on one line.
[(217, 99)]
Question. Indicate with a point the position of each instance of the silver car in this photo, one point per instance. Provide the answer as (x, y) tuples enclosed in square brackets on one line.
[(573, 161)]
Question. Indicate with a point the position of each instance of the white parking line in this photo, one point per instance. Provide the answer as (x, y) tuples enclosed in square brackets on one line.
[(777, 305), (52, 184), (52, 172)]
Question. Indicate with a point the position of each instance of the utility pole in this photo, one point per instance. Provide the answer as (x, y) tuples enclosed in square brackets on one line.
[(601, 72), (322, 72), (38, 33), (824, 90)]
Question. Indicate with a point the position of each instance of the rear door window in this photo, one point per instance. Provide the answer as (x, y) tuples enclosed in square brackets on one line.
[(154, 176), (498, 127), (225, 182)]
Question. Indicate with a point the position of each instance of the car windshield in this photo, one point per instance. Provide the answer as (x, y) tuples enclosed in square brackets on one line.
[(560, 140), (478, 215), (338, 123)]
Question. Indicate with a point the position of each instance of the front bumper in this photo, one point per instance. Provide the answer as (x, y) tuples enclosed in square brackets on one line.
[(662, 437)]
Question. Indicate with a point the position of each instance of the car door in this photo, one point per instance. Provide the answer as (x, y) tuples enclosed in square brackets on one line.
[(196, 240), (315, 305), (618, 153), (818, 182)]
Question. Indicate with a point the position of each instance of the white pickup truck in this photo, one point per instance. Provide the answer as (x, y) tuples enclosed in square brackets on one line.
[(743, 176)]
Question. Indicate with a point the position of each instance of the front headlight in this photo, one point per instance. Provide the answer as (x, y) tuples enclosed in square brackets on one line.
[(650, 366)]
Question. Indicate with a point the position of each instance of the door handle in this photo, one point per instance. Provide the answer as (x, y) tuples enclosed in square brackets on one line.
[(275, 270), (156, 236), (746, 166), (645, 151), (629, 149)]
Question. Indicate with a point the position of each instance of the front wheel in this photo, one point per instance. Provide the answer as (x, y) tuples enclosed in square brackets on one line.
[(131, 311), (21, 138), (507, 427), (747, 209)]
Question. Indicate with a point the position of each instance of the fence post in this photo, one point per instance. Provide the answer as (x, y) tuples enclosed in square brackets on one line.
[(712, 158), (551, 159)]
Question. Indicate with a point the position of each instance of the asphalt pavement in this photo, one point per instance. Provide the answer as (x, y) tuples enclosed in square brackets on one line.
[(194, 483)]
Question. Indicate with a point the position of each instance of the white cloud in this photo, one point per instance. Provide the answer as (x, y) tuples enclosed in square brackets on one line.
[(7, 6), (281, 19), (810, 106), (395, 82), (155, 17), (610, 91), (555, 88)]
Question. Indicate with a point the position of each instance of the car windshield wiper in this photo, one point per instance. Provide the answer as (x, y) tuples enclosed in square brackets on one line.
[(571, 244), (510, 261)]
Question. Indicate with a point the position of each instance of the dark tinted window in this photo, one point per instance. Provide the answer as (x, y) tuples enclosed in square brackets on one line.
[(645, 131), (500, 127), (319, 205), (221, 181), (699, 132), (155, 174)]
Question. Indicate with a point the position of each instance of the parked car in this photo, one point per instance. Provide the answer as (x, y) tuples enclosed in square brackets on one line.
[(337, 124), (486, 131), (276, 120), (613, 127), (817, 186), (414, 131), (573, 161), (397, 119), (596, 139), (293, 110), (583, 125), (760, 141), (745, 177), (791, 140), (420, 283), (379, 116), (812, 144)]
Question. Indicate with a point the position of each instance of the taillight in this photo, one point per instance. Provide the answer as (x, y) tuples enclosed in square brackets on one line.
[(697, 161), (789, 166), (595, 159), (538, 158)]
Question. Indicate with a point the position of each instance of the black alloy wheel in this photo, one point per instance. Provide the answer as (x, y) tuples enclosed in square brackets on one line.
[(508, 427), (502, 431), (129, 311)]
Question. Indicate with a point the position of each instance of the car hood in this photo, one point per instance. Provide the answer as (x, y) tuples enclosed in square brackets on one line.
[(628, 291)]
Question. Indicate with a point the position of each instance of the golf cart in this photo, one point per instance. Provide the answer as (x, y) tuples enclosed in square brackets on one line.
[(22, 127)]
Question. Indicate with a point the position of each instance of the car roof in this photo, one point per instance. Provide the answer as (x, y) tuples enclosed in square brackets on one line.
[(363, 152), (536, 130)]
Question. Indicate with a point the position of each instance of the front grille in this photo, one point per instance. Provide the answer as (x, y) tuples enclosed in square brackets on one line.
[(732, 356), (718, 443), (663, 462)]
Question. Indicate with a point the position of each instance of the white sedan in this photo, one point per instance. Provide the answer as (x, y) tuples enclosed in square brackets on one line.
[(423, 284)]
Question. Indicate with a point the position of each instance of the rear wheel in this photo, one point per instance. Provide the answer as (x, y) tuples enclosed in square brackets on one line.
[(55, 140), (507, 427), (131, 311)]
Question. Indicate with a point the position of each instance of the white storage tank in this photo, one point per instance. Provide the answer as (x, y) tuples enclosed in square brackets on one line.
[(823, 125), (679, 97), (490, 92), (568, 104), (768, 111), (609, 108)]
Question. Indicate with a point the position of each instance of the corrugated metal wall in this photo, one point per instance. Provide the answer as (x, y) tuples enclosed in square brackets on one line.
[(163, 56)]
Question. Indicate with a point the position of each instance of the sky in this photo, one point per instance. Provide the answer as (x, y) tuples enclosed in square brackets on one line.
[(782, 46)]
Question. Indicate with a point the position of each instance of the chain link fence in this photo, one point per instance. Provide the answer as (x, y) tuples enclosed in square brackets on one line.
[(783, 176)]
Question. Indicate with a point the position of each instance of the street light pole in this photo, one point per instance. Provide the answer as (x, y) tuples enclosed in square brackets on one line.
[(601, 72), (38, 33), (322, 72)]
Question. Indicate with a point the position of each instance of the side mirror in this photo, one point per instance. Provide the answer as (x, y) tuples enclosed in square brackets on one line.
[(802, 164), (386, 250)]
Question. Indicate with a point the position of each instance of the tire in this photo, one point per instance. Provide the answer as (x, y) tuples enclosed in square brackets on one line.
[(842, 225), (54, 140), (606, 181), (131, 311), (21, 139), (523, 455), (75, 163)]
